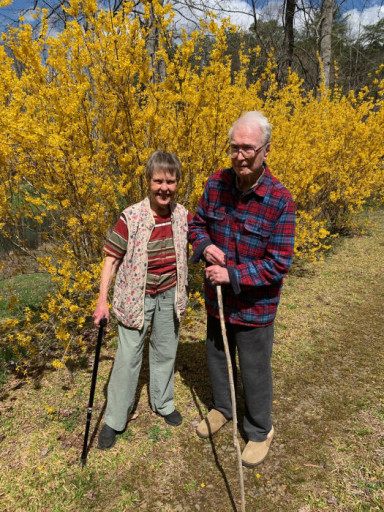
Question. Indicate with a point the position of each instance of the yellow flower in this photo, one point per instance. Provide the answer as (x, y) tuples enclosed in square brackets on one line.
[(57, 364), (78, 126)]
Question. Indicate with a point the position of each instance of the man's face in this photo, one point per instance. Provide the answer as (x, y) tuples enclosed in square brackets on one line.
[(249, 167), (162, 187)]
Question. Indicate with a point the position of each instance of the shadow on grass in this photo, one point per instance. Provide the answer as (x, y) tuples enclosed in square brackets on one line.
[(191, 365)]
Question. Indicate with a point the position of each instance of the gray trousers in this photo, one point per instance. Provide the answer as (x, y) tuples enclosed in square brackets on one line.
[(159, 311), (254, 346)]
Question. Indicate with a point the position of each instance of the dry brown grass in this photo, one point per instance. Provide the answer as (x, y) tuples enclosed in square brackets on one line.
[(328, 415)]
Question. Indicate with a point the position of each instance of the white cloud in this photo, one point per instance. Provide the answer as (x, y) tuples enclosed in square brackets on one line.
[(241, 14), (273, 10), (369, 16), (239, 11), (188, 17)]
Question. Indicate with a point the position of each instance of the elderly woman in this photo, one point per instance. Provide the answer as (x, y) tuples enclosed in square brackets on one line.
[(148, 249)]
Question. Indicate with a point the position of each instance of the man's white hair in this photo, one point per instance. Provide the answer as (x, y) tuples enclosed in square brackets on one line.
[(253, 119)]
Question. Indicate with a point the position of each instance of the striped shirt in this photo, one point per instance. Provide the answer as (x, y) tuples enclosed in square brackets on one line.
[(161, 274)]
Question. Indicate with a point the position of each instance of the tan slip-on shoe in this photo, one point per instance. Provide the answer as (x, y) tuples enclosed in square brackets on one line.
[(255, 452), (211, 424)]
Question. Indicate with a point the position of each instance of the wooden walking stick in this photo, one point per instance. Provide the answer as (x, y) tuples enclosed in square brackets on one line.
[(233, 396)]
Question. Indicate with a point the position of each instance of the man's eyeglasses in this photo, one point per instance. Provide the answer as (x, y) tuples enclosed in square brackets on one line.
[(246, 151)]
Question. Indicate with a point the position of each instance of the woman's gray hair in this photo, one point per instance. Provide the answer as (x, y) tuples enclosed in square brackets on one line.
[(253, 119), (164, 161)]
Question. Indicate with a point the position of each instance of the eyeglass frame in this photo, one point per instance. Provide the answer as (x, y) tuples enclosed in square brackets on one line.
[(255, 150)]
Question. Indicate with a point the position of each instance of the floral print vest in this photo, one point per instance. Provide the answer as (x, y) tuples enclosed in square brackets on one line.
[(129, 291)]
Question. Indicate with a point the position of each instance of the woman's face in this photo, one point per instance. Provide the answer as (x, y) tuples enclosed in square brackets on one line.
[(162, 188)]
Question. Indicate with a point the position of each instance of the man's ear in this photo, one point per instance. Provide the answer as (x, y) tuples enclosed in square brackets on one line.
[(267, 150)]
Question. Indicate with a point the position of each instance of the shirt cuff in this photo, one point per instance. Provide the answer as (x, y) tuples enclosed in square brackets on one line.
[(233, 280), (198, 252)]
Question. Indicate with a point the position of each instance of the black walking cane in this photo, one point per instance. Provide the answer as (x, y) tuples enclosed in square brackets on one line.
[(102, 324)]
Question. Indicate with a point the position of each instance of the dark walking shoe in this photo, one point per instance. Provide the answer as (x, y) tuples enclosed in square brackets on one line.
[(107, 437), (174, 419)]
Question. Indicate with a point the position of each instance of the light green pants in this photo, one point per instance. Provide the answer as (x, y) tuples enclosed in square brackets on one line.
[(159, 310)]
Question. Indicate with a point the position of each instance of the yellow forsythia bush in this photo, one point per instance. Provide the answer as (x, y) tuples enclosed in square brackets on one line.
[(83, 110)]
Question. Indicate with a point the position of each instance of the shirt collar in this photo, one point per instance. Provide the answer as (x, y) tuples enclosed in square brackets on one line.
[(261, 187)]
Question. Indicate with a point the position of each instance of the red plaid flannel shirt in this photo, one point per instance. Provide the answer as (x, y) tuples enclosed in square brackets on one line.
[(256, 232)]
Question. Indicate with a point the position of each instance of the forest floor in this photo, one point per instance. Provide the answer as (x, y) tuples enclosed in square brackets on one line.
[(328, 450)]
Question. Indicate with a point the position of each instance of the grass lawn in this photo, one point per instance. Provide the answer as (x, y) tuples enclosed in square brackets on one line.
[(328, 450), (27, 289)]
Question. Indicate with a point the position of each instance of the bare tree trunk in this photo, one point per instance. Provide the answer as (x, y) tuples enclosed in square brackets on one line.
[(289, 40), (255, 24), (152, 45), (325, 40)]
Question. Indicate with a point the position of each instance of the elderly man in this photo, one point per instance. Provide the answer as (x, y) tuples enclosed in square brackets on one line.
[(244, 229)]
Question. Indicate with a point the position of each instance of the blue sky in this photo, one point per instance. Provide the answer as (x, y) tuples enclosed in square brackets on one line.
[(359, 5), (346, 4), (360, 12)]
